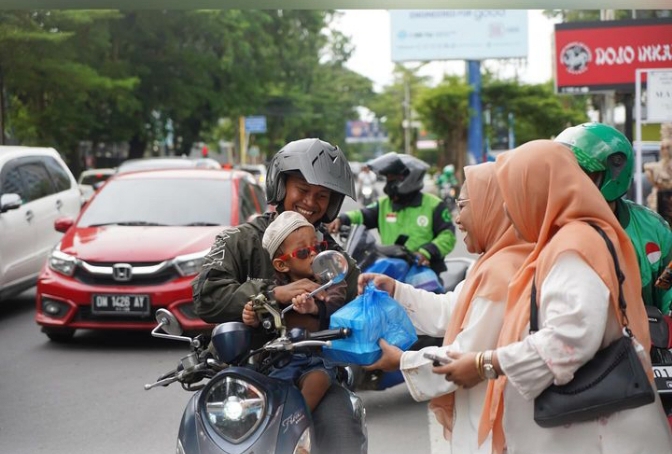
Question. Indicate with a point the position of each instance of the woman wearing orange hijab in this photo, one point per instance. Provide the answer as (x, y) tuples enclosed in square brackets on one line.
[(550, 201), (472, 313)]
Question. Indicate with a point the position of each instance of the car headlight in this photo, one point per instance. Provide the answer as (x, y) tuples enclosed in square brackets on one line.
[(61, 262), (190, 264), (235, 408)]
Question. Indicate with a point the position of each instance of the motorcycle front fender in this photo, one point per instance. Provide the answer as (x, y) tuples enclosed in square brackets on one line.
[(286, 419)]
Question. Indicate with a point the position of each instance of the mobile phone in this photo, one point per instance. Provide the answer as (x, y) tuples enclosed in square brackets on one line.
[(438, 360)]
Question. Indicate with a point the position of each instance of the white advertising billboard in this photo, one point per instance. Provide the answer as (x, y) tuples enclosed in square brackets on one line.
[(423, 35), (659, 96)]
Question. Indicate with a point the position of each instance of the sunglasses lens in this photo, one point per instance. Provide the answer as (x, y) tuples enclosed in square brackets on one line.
[(302, 253), (322, 246)]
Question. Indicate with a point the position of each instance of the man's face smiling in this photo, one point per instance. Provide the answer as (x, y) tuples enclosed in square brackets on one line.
[(309, 200)]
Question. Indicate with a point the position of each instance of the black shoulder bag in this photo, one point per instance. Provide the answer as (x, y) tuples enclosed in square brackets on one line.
[(613, 380)]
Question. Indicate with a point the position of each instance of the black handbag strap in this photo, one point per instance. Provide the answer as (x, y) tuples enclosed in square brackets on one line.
[(534, 309)]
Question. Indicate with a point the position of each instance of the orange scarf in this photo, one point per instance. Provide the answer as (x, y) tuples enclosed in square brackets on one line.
[(503, 254), (550, 200)]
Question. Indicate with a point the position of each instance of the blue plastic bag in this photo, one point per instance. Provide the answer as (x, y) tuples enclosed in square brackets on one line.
[(370, 316), (425, 278), (395, 268)]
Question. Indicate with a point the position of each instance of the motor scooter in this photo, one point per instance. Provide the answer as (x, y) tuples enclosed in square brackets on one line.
[(367, 194), (399, 263), (240, 409), (661, 356), (448, 193)]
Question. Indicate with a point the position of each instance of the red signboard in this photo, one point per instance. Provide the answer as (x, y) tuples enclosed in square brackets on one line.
[(599, 56)]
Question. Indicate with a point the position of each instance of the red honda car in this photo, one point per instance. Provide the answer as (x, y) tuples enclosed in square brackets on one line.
[(136, 247)]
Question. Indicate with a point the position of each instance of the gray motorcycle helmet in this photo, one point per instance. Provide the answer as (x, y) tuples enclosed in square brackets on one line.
[(412, 170), (320, 163)]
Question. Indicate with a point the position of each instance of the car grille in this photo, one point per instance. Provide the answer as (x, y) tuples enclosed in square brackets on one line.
[(165, 275)]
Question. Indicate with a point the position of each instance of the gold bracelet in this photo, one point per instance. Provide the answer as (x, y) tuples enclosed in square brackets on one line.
[(481, 369), (479, 365)]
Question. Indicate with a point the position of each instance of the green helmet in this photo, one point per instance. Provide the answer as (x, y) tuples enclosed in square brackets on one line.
[(602, 148)]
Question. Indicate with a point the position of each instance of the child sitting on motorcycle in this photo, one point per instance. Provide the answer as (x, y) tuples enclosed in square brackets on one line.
[(292, 243)]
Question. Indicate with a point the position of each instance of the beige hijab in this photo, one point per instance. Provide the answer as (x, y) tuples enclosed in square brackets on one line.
[(503, 254), (550, 200)]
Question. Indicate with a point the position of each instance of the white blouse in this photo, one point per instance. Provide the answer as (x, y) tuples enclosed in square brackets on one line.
[(575, 320), (430, 313)]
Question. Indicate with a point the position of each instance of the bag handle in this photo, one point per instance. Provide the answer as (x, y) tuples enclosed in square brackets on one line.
[(534, 309)]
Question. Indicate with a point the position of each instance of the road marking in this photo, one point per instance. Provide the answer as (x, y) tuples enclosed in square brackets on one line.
[(438, 444)]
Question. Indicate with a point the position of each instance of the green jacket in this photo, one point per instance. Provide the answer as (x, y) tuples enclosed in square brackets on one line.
[(424, 218), (651, 236), (238, 267)]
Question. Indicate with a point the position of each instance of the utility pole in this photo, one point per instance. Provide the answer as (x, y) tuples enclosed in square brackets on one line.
[(609, 103), (2, 109), (407, 114), (243, 144)]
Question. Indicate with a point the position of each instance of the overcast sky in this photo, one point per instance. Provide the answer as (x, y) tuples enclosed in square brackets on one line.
[(370, 33)]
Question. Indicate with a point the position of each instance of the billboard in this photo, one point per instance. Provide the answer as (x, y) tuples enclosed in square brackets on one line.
[(659, 96), (359, 131), (599, 56), (423, 35)]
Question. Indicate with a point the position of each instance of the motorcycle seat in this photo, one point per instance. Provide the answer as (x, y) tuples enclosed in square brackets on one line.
[(393, 251)]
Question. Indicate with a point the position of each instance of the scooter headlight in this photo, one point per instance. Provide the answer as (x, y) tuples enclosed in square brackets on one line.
[(303, 445), (235, 408)]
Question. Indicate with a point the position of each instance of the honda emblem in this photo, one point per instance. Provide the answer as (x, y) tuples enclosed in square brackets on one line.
[(122, 272)]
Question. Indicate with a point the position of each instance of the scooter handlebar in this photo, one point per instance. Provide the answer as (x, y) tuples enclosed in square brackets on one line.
[(329, 334)]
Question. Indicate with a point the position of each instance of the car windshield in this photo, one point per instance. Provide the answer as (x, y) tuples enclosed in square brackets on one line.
[(161, 201)]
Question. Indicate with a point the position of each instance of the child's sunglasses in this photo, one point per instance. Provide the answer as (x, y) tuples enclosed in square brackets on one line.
[(304, 252)]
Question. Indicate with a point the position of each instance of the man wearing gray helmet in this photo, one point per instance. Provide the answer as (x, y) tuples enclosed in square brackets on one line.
[(311, 177), (406, 210)]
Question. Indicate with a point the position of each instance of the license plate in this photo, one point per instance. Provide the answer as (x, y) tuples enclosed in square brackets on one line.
[(119, 304), (662, 371)]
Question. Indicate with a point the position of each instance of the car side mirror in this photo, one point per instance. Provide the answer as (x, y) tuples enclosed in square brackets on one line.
[(10, 201), (62, 224)]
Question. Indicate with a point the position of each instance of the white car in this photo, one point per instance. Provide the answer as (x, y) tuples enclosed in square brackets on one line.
[(91, 179), (36, 188), (257, 170)]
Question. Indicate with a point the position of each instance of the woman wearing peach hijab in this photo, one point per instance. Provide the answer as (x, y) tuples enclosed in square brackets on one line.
[(550, 202), (472, 313)]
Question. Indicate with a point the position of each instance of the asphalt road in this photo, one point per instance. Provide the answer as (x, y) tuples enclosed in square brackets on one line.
[(87, 396)]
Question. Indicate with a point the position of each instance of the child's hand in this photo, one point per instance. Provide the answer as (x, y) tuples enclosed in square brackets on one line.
[(304, 304), (249, 316)]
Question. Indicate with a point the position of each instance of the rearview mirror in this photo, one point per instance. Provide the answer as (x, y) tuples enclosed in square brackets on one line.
[(62, 224), (168, 322), (9, 202), (330, 266)]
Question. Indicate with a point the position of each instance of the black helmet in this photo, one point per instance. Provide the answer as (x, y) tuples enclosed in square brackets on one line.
[(320, 163), (411, 169)]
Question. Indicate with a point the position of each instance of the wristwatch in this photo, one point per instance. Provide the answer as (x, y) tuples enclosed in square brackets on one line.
[(488, 368)]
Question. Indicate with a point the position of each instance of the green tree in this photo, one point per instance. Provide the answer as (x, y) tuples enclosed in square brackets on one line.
[(389, 105), (49, 81), (444, 110), (539, 113)]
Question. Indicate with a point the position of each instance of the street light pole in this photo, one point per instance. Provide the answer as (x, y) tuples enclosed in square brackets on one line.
[(407, 115)]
